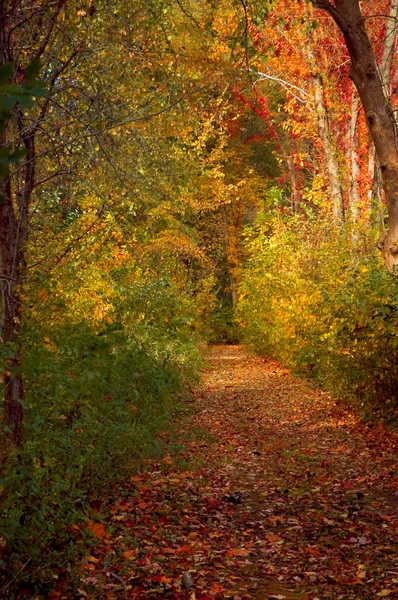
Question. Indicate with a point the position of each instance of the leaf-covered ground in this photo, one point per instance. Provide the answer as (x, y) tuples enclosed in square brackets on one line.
[(285, 493)]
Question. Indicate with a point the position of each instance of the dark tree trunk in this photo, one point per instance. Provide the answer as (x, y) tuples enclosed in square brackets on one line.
[(13, 232), (10, 285), (11, 282), (382, 127)]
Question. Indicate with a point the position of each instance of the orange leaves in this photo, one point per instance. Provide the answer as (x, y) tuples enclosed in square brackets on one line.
[(237, 552), (96, 529), (216, 588), (338, 449), (130, 554), (186, 549), (273, 538), (43, 295)]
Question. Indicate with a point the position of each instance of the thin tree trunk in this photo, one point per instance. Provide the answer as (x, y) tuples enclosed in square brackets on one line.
[(390, 37), (335, 184), (376, 206), (354, 160), (330, 155), (10, 286), (295, 195), (331, 160), (13, 232)]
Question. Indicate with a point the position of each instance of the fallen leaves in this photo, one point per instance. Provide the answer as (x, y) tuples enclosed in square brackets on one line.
[(130, 554), (96, 529), (279, 500)]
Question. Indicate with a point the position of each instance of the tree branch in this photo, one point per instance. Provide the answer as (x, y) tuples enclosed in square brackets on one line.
[(50, 28), (332, 11), (285, 84)]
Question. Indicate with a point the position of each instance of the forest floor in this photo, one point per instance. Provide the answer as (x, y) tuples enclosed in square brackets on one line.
[(274, 490)]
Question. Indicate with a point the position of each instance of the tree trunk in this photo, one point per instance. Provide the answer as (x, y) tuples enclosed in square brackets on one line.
[(13, 231), (321, 111), (330, 155), (376, 204), (295, 197), (354, 160), (382, 127), (390, 36), (10, 285)]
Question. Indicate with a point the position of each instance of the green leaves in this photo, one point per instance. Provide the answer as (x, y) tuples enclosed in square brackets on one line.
[(12, 94), (8, 156)]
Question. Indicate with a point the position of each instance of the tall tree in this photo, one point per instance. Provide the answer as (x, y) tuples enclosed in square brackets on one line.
[(16, 19)]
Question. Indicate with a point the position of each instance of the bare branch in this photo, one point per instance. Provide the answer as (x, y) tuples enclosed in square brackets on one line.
[(285, 84), (50, 28)]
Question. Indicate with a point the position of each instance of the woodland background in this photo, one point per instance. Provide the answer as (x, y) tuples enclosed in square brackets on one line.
[(176, 172)]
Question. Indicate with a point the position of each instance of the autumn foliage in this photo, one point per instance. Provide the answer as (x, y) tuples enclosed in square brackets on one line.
[(175, 174), (325, 311)]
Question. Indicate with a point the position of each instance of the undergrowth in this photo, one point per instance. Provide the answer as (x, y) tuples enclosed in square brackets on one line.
[(97, 396), (325, 306)]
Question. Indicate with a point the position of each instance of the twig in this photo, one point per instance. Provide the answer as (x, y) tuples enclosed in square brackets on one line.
[(118, 578), (16, 576), (285, 84)]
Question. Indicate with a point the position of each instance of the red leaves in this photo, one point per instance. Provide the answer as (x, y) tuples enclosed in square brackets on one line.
[(283, 502)]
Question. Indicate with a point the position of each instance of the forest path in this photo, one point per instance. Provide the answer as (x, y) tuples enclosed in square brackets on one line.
[(287, 495)]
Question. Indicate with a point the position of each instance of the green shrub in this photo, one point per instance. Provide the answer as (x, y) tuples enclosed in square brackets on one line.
[(95, 403)]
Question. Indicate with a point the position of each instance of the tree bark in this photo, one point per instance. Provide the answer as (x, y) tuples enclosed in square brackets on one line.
[(390, 35), (380, 119), (10, 285), (330, 155), (354, 160), (10, 282), (14, 217), (295, 192)]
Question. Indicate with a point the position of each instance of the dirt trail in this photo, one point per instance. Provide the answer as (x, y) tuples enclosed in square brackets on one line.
[(289, 496)]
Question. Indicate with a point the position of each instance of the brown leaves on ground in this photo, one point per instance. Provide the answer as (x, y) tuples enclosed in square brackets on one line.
[(288, 495)]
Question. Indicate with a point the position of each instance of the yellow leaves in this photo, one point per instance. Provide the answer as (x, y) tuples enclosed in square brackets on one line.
[(361, 574), (177, 243), (49, 344)]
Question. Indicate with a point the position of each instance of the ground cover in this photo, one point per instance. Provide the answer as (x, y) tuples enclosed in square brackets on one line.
[(272, 490)]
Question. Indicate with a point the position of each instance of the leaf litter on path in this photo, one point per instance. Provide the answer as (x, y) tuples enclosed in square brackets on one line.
[(286, 494)]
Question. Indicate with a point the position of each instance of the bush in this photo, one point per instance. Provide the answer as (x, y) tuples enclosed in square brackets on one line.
[(325, 307), (96, 399)]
